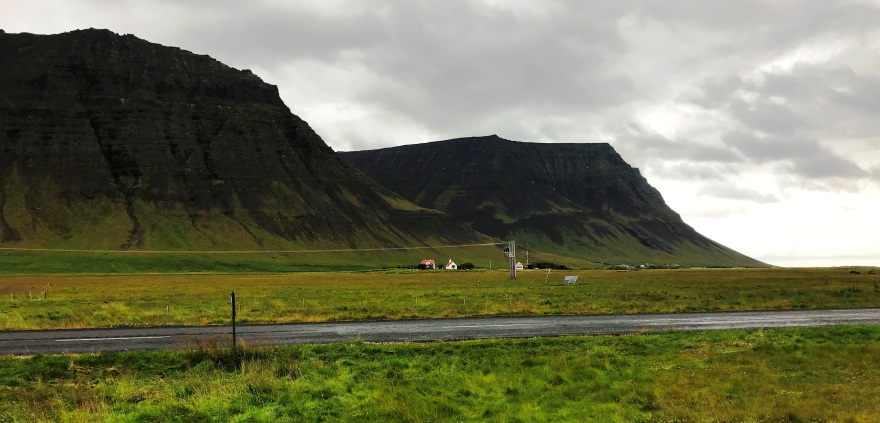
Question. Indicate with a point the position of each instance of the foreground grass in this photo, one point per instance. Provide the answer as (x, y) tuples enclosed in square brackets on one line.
[(147, 300), (805, 374)]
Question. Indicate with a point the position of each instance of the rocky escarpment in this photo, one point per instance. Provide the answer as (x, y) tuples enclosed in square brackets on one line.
[(109, 141), (579, 200)]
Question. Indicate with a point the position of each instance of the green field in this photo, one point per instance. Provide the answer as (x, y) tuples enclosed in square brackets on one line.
[(78, 262), (780, 375), (155, 300), (790, 375)]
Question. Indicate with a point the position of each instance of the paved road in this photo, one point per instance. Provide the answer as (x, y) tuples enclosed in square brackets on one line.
[(96, 340)]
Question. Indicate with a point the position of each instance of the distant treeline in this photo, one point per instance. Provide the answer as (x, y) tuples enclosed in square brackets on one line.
[(548, 265), (643, 266)]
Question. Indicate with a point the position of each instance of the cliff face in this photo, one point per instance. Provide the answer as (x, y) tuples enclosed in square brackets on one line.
[(579, 200), (110, 141)]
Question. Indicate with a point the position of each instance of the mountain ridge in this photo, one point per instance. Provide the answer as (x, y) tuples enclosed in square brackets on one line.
[(112, 142), (579, 199)]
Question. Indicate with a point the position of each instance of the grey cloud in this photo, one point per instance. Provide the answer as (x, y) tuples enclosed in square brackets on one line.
[(733, 192), (827, 166), (466, 65), (643, 141), (789, 115), (807, 157), (761, 149), (838, 86), (450, 65), (857, 92), (771, 26), (356, 142), (716, 92), (795, 86), (277, 36), (471, 67), (690, 171), (826, 102), (768, 117), (717, 213)]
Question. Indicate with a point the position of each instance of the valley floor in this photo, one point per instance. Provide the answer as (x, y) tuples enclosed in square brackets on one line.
[(92, 301), (804, 374)]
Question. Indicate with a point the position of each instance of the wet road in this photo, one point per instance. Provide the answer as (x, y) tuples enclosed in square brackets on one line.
[(99, 340)]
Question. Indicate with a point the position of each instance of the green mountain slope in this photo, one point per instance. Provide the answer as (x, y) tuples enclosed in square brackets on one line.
[(575, 200), (112, 142)]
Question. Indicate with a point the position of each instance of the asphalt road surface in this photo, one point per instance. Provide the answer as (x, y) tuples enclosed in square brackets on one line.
[(100, 340)]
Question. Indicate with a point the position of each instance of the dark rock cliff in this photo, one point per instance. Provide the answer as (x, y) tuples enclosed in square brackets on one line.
[(111, 141), (573, 199)]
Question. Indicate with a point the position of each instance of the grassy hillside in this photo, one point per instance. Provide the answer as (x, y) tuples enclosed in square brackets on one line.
[(43, 216)]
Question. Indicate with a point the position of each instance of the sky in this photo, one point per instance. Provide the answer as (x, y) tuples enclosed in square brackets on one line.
[(758, 121)]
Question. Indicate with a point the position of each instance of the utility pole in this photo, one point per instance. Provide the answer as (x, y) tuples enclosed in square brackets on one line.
[(510, 252), (527, 255)]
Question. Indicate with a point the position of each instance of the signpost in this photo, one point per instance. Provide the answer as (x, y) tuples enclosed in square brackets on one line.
[(233, 319)]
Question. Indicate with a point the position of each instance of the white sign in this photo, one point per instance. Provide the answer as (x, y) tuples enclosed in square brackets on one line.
[(570, 280)]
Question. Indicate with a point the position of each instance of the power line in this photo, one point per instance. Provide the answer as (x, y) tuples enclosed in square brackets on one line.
[(68, 250)]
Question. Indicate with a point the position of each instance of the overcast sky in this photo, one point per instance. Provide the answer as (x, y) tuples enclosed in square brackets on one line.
[(758, 121)]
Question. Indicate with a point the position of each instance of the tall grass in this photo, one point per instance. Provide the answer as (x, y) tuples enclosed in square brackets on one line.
[(815, 374), (153, 300)]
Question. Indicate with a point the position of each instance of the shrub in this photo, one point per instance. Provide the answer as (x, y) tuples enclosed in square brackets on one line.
[(549, 265), (621, 267)]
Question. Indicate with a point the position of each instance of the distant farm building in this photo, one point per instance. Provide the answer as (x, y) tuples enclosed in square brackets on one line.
[(429, 264), (519, 266), (451, 265)]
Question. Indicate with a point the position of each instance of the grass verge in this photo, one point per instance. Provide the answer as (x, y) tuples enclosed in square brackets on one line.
[(803, 374)]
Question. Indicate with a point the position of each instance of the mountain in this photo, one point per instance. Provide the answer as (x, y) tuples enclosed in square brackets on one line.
[(112, 142), (576, 200)]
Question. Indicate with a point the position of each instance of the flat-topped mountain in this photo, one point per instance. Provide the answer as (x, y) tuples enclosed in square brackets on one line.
[(579, 200), (113, 142)]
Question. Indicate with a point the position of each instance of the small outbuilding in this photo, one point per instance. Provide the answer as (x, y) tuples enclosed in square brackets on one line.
[(519, 266), (451, 265)]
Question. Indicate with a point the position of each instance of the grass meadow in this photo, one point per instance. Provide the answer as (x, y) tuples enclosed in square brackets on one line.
[(55, 301), (781, 375), (36, 262)]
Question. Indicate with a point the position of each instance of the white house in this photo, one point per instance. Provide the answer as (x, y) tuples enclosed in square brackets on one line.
[(518, 266), (451, 265), (429, 264)]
